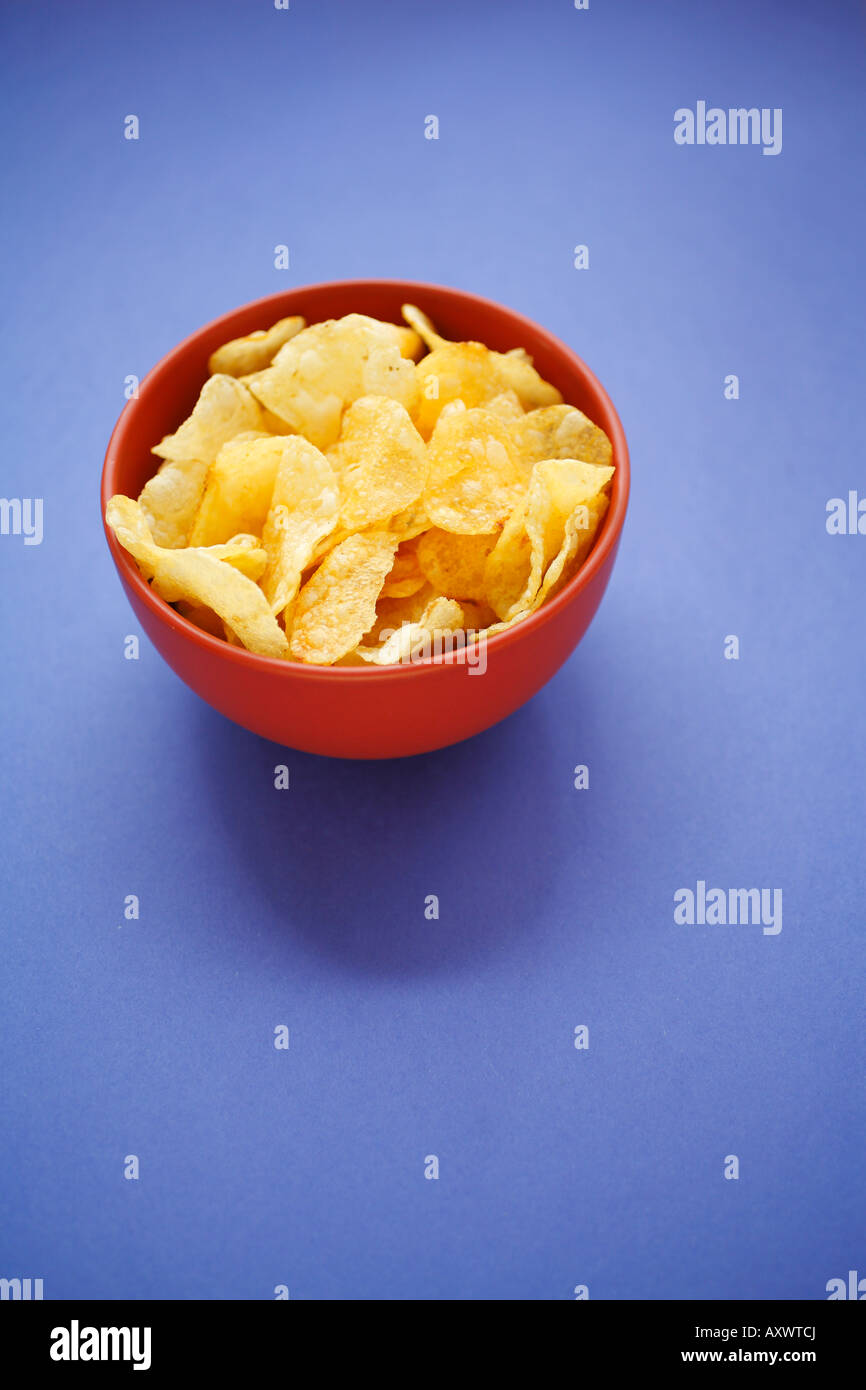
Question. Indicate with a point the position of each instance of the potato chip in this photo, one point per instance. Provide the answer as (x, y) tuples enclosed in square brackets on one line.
[(327, 366), (507, 568), (472, 373), (474, 479), (411, 522), (422, 325), (244, 552), (337, 605), (303, 510), (403, 588), (410, 640), (535, 533), (506, 405), (381, 462), (580, 532), (405, 576), (171, 498), (557, 487), (411, 345), (255, 351), (454, 564), (477, 616), (247, 559), (560, 432), (237, 494), (394, 611), (194, 575)]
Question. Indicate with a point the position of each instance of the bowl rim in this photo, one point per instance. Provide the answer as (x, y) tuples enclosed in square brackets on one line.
[(601, 551)]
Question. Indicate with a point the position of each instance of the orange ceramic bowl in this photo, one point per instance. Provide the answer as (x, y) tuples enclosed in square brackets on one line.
[(363, 712)]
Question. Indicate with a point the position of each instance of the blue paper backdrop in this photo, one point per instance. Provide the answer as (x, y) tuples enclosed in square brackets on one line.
[(154, 1037)]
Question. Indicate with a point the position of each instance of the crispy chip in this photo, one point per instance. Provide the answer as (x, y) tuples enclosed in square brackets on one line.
[(170, 499), (507, 568), (337, 605), (199, 578), (472, 373), (535, 533), (244, 552), (224, 408), (560, 432), (411, 344), (506, 405), (440, 615), (303, 510), (392, 612), (422, 325), (256, 351), (580, 532), (327, 366), (474, 479), (405, 576), (477, 616), (238, 489), (381, 461), (454, 564)]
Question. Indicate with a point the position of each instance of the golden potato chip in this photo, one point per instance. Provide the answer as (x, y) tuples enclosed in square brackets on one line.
[(411, 344), (440, 615), (454, 564), (422, 325), (244, 552), (560, 432), (477, 616), (303, 510), (506, 405), (237, 494), (557, 487), (327, 366), (580, 532), (337, 605), (198, 577), (170, 499), (405, 576), (224, 408), (381, 462), (472, 373), (474, 479), (411, 522), (535, 533), (507, 568), (254, 352), (403, 588), (394, 611)]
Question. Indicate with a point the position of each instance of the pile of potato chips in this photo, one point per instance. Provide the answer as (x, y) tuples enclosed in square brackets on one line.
[(344, 492)]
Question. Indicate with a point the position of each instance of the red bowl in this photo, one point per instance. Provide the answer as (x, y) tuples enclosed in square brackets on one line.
[(359, 712)]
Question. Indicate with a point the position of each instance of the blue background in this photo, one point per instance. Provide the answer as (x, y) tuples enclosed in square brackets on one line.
[(306, 907)]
